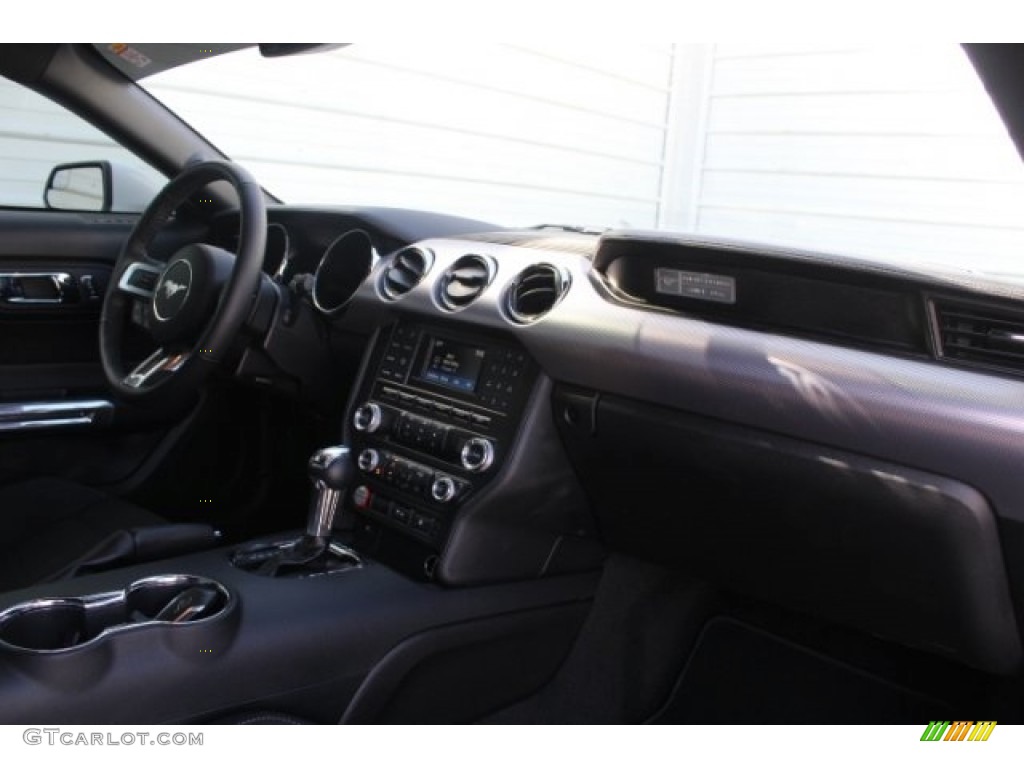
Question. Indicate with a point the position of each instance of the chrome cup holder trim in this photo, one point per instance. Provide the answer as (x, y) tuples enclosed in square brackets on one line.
[(101, 601)]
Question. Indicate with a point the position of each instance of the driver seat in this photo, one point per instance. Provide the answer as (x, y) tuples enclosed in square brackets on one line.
[(52, 529)]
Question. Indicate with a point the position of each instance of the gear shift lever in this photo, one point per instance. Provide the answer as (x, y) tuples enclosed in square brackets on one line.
[(330, 470)]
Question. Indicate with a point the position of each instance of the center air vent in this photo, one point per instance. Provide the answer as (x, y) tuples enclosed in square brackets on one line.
[(534, 292), (406, 269), (463, 281), (978, 334)]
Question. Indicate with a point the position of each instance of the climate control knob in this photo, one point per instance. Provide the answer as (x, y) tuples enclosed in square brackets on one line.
[(367, 418), (368, 460), (443, 489), (477, 454)]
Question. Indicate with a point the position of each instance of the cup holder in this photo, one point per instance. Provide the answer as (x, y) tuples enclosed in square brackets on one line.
[(62, 624)]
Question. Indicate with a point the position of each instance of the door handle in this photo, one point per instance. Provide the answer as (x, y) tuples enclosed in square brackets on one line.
[(38, 288)]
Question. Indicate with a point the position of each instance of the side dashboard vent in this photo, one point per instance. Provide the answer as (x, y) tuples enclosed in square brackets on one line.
[(405, 271), (978, 334), (535, 292), (463, 281)]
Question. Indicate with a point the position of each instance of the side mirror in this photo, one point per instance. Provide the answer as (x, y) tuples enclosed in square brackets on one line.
[(79, 187), (99, 185)]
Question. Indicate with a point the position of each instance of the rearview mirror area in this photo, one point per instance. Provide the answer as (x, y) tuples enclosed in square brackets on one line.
[(79, 187)]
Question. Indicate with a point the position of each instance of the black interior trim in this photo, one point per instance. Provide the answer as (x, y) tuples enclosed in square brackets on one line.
[(901, 553)]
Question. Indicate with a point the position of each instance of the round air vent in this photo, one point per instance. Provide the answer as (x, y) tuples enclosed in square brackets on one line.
[(463, 281), (535, 291), (406, 269)]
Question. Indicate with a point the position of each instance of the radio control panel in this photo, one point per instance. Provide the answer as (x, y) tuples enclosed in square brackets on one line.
[(436, 414)]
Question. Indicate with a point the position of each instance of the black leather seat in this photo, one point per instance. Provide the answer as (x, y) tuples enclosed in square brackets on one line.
[(52, 528)]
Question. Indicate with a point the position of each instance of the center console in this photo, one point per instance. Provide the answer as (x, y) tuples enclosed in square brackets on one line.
[(430, 528), (436, 417)]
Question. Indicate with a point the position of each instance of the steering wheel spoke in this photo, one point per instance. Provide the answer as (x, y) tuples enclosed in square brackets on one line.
[(160, 363), (139, 279)]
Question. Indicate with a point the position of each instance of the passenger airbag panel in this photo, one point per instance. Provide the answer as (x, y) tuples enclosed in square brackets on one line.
[(900, 553)]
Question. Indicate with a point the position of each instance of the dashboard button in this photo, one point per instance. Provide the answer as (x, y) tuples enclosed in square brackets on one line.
[(443, 489), (362, 497), (367, 418), (401, 514), (424, 523), (477, 454), (368, 460)]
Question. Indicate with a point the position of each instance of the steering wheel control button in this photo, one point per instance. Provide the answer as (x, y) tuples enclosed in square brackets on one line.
[(477, 454), (173, 290), (443, 489), (368, 418), (369, 460)]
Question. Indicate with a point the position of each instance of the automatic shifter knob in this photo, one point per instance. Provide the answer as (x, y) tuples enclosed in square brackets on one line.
[(333, 466), (331, 470)]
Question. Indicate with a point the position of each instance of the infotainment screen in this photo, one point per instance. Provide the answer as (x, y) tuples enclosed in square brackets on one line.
[(452, 365)]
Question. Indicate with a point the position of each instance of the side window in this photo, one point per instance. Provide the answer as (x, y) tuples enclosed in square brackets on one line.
[(37, 135)]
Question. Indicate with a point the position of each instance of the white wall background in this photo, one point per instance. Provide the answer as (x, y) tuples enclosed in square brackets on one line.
[(892, 154), (895, 153), (507, 134)]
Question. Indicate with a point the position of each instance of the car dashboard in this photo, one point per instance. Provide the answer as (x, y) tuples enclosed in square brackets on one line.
[(529, 410), (785, 424)]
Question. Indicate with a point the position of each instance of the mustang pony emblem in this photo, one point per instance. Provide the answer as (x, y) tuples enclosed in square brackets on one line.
[(171, 288)]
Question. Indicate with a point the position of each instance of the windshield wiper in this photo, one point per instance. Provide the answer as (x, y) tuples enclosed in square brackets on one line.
[(581, 230)]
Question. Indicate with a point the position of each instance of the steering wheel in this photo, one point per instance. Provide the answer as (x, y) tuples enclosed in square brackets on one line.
[(193, 304)]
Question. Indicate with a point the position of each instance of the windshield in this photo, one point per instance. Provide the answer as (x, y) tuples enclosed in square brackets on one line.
[(895, 155)]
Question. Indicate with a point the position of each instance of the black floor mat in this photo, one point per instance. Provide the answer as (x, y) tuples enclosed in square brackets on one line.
[(741, 675)]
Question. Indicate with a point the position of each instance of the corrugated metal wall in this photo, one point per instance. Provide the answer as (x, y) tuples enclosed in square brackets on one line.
[(897, 154), (509, 134), (893, 154)]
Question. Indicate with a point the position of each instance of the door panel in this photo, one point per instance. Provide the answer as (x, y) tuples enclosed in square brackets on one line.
[(49, 351)]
